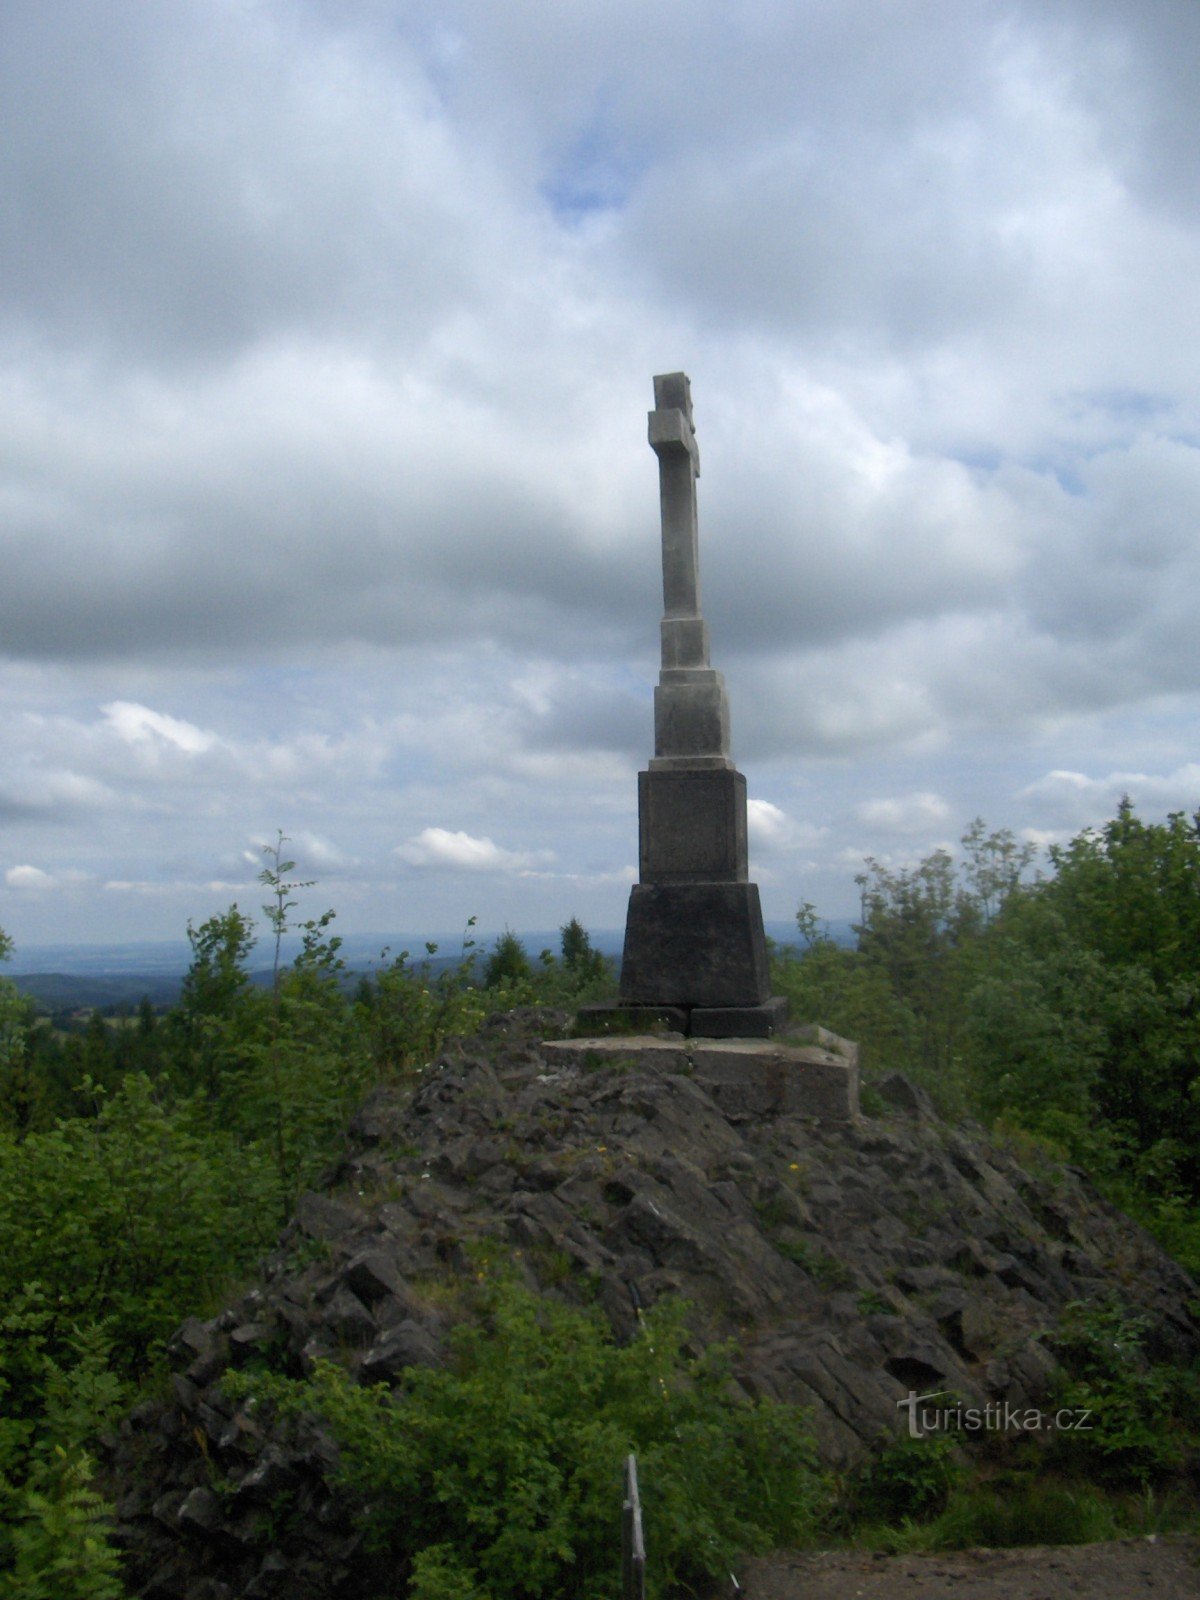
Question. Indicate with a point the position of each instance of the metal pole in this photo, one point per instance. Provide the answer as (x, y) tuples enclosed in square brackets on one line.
[(633, 1549)]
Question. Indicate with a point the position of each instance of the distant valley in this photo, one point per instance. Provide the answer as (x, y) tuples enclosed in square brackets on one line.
[(68, 977)]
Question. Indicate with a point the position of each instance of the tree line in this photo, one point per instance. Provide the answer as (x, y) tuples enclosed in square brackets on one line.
[(1059, 1008)]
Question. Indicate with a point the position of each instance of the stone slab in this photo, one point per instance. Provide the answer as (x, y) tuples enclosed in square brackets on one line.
[(749, 1078), (746, 1077), (690, 764), (648, 1049), (694, 944), (684, 642), (739, 1022), (692, 826), (811, 1033)]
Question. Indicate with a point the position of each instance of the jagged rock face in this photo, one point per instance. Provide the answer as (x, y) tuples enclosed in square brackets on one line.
[(852, 1262)]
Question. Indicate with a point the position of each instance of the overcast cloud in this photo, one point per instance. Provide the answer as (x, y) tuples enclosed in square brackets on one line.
[(326, 338)]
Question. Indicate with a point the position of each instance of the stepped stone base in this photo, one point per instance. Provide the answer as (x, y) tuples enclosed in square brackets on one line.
[(746, 1077)]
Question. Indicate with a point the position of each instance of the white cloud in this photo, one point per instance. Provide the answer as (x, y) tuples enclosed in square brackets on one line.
[(903, 814), (167, 889), (1077, 800), (440, 848), (27, 877), (140, 726), (773, 832), (53, 791)]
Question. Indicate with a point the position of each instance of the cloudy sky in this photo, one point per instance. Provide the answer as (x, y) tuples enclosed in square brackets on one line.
[(327, 330)]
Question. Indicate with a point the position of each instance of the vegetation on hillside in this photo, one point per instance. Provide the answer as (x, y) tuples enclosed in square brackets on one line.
[(1061, 1008), (495, 1478), (145, 1160)]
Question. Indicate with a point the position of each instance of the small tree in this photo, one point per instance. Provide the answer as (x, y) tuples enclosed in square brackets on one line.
[(22, 1094), (508, 963), (580, 960), (212, 1024)]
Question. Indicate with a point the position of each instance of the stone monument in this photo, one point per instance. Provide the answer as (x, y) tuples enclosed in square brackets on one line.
[(694, 944)]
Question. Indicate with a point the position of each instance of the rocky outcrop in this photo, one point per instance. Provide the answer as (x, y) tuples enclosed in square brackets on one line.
[(852, 1261)]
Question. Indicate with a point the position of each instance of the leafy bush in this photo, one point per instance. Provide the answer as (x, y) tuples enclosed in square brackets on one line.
[(53, 1525), (1144, 1417), (405, 1012), (905, 1478), (127, 1217), (501, 1475)]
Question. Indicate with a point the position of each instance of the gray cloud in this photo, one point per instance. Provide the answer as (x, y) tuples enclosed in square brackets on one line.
[(184, 183), (326, 342)]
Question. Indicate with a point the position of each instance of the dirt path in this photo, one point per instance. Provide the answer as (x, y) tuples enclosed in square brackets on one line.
[(1129, 1569)]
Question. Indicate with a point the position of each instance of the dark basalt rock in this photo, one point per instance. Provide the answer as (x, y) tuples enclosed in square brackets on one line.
[(852, 1261)]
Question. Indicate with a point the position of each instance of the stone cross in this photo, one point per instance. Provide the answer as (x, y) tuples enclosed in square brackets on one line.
[(691, 713), (694, 946), (673, 440)]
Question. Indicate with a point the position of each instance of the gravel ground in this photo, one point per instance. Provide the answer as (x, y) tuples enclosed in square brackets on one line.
[(1129, 1569)]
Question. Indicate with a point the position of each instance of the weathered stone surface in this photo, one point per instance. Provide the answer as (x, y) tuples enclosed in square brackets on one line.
[(691, 718), (692, 825), (348, 1319), (646, 1050), (406, 1345), (747, 1078), (371, 1275), (673, 440), (320, 1217), (851, 1261), (694, 944), (684, 641), (739, 1022), (824, 1039), (897, 1090)]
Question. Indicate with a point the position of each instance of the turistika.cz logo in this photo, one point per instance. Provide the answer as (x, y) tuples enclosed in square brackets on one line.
[(995, 1417)]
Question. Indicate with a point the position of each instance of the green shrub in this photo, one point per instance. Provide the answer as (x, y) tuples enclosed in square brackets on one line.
[(508, 965), (406, 1012), (1143, 1419), (53, 1525), (501, 1474), (129, 1217), (906, 1478)]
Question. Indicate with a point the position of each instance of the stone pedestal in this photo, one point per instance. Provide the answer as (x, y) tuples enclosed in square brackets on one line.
[(691, 716), (694, 944), (692, 826)]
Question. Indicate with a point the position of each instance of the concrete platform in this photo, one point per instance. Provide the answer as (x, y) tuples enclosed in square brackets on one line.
[(813, 1073), (666, 1050)]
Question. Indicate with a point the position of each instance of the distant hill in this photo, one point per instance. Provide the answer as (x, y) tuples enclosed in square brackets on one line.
[(62, 977), (70, 991)]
